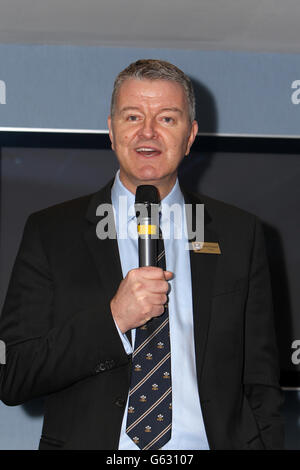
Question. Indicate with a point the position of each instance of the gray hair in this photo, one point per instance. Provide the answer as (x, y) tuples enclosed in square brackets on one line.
[(152, 69)]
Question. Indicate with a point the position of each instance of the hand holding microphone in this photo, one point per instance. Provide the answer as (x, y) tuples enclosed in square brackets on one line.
[(143, 293)]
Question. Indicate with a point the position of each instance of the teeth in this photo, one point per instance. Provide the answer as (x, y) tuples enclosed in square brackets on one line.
[(145, 149)]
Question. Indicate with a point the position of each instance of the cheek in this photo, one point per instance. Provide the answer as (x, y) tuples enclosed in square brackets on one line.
[(177, 140), (125, 137), (122, 141), (177, 147)]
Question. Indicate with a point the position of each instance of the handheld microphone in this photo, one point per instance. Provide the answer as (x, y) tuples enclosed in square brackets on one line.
[(147, 213)]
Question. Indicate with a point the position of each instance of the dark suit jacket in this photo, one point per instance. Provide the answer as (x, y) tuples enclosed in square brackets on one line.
[(62, 342)]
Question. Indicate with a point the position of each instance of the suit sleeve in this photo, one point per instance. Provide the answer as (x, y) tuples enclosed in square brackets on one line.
[(261, 373), (41, 357)]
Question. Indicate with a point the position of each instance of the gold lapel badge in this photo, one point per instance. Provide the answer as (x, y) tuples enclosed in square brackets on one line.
[(206, 247)]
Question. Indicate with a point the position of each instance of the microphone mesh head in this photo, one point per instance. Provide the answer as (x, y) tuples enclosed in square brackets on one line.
[(146, 194)]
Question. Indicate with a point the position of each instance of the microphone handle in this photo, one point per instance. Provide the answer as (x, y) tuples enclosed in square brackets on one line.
[(147, 242), (147, 251)]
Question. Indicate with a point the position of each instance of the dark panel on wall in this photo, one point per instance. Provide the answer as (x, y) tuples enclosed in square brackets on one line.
[(265, 183)]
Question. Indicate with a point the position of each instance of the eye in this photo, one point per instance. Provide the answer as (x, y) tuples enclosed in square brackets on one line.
[(168, 119), (132, 117)]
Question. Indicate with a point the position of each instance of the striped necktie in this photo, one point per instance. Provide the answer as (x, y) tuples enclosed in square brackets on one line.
[(149, 418)]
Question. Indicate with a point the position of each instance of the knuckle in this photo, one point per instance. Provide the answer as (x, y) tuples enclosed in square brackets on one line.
[(145, 308), (134, 274), (131, 274), (136, 287), (161, 286), (164, 286), (161, 273), (159, 310)]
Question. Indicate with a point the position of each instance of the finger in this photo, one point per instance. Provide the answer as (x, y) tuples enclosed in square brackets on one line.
[(157, 287), (158, 299), (151, 272), (157, 310), (168, 275)]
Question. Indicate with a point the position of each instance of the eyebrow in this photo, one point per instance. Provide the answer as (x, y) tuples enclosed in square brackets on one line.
[(175, 110), (136, 108), (129, 108)]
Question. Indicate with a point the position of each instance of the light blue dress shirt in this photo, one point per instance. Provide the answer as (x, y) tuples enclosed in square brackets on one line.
[(188, 431)]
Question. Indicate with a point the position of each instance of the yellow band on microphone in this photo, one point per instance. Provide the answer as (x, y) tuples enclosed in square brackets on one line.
[(147, 229)]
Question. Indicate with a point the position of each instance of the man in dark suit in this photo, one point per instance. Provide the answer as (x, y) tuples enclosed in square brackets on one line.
[(76, 301)]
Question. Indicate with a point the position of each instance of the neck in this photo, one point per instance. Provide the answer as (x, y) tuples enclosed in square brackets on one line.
[(163, 187)]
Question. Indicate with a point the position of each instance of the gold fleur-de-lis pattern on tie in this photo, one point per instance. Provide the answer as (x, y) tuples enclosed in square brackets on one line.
[(149, 418)]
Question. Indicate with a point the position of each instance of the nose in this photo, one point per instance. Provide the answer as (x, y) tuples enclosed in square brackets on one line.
[(148, 128)]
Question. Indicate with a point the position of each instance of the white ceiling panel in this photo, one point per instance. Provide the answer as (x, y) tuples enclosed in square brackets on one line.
[(250, 25)]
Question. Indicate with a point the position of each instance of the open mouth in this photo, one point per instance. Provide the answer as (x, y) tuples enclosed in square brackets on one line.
[(148, 151)]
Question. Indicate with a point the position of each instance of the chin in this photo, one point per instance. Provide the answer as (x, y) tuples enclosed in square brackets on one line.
[(148, 175)]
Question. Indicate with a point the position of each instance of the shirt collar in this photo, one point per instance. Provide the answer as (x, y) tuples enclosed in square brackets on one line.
[(118, 190), (175, 196)]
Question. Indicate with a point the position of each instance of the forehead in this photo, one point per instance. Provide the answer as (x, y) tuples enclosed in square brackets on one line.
[(156, 93)]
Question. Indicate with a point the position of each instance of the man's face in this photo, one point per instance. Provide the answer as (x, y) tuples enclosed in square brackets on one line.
[(151, 132)]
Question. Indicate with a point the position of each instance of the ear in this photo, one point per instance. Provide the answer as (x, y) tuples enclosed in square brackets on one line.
[(110, 131), (192, 136)]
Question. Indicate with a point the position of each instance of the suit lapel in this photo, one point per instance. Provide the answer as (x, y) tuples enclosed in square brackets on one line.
[(105, 253), (203, 267)]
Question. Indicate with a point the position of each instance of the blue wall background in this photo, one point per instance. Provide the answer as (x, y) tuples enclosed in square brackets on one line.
[(67, 87)]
